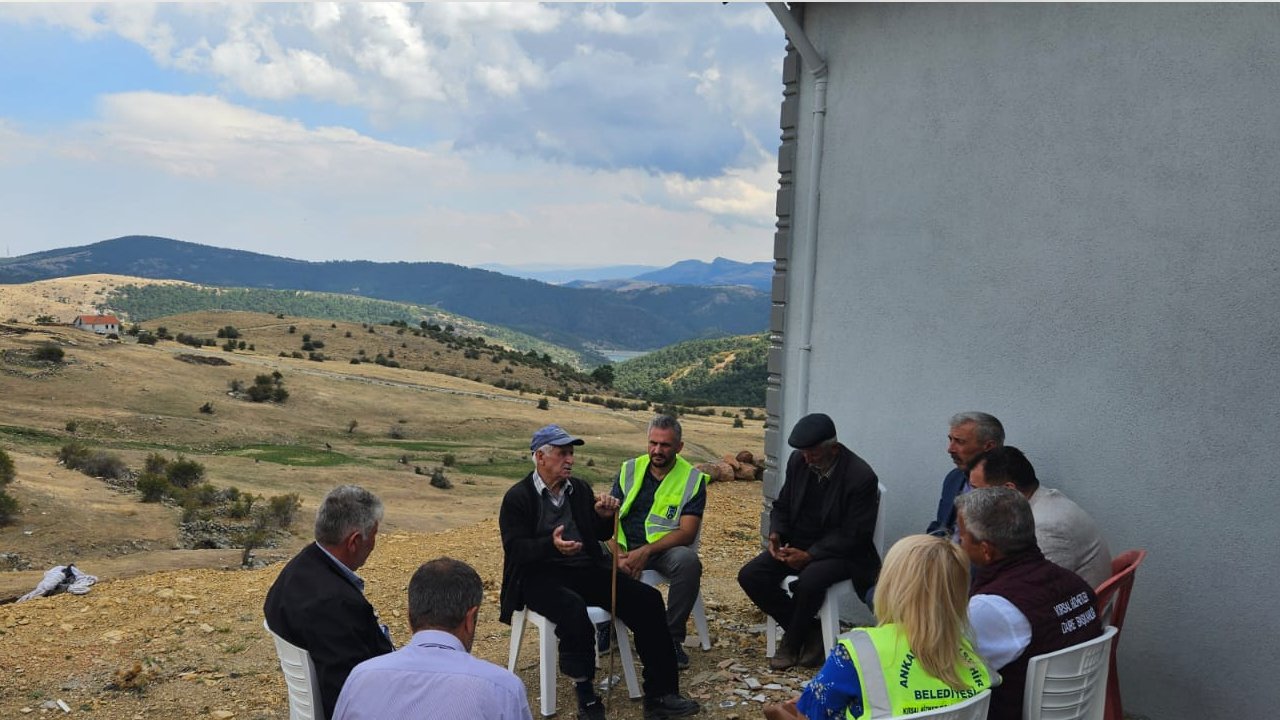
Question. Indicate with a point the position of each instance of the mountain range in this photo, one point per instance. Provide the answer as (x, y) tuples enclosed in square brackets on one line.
[(639, 318), (720, 271)]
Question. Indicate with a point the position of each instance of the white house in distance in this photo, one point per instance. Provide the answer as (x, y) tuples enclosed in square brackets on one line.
[(101, 324), (1066, 215)]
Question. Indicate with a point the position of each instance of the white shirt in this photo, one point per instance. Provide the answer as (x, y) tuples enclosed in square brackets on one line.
[(1001, 632)]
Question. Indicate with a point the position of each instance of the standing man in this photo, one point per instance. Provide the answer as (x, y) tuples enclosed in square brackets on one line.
[(663, 498), (822, 528), (1064, 531), (317, 601), (552, 564), (972, 433), (435, 676), (1021, 605)]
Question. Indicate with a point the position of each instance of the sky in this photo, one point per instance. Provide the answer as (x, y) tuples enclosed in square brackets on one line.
[(471, 133)]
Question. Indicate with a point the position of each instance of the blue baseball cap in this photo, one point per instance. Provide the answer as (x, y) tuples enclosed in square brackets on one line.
[(553, 435)]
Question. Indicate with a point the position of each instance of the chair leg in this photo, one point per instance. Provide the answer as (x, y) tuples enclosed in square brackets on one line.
[(700, 622), (770, 637), (628, 660), (829, 615), (548, 666), (517, 635), (1114, 709)]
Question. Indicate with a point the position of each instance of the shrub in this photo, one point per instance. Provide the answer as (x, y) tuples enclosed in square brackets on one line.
[(351, 426), (146, 338), (73, 454), (104, 465), (155, 463), (439, 480), (449, 459), (184, 473), (8, 507), (7, 473), (71, 426), (207, 408), (153, 487), (396, 432), (543, 404), (48, 352), (242, 506), (282, 509), (737, 422)]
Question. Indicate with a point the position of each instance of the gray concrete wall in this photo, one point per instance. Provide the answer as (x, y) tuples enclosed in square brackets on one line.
[(1069, 216)]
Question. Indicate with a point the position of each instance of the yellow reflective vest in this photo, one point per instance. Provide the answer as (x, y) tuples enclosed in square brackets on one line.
[(893, 681), (677, 488)]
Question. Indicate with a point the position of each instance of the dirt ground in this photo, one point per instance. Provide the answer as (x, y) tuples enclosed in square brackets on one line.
[(196, 635)]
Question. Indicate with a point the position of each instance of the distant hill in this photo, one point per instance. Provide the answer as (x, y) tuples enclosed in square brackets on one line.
[(720, 271), (582, 319), (722, 371), (561, 275)]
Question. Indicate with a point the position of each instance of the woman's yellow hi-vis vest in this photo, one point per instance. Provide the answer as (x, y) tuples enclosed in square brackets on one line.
[(894, 683), (677, 488)]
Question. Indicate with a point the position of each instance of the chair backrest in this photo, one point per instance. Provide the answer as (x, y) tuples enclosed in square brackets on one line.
[(300, 677), (1113, 593), (879, 534), (975, 708), (1069, 684)]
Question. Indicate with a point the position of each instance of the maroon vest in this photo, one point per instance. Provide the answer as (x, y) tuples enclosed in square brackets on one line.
[(1061, 608)]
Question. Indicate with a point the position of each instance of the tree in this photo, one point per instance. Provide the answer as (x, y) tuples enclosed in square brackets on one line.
[(48, 352), (7, 472), (604, 374)]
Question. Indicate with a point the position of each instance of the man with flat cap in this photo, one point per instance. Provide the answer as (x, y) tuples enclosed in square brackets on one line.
[(553, 564), (821, 528)]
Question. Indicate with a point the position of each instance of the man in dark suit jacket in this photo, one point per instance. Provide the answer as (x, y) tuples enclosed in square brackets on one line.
[(971, 434), (317, 602), (822, 529), (552, 563)]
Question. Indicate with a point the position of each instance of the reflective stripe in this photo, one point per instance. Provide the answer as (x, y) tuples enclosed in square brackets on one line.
[(628, 477), (875, 694)]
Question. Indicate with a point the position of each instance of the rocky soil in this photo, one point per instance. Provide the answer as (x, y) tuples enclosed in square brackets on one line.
[(190, 643)]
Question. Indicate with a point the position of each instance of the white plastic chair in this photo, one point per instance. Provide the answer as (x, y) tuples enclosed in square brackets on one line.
[(300, 677), (655, 578), (549, 655), (1069, 684), (829, 613), (975, 708)]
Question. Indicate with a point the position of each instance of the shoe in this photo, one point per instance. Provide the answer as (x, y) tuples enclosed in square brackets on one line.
[(784, 659), (593, 710), (669, 706), (812, 655), (814, 650), (682, 657)]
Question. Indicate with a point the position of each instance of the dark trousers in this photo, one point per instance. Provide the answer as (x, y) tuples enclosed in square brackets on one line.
[(761, 579), (562, 594)]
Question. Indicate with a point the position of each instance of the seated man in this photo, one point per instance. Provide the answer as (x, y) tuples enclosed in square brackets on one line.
[(1065, 533), (663, 498), (553, 564), (821, 528), (1021, 605), (317, 601), (435, 674), (971, 434)]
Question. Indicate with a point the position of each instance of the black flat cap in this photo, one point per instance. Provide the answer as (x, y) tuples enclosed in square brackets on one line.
[(812, 429)]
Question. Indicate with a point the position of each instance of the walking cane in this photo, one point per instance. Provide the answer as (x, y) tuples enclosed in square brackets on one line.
[(613, 600)]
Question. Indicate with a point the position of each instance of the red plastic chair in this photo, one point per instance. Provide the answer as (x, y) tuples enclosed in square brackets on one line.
[(1115, 590)]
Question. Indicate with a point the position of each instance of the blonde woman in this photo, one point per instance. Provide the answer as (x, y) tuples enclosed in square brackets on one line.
[(918, 658)]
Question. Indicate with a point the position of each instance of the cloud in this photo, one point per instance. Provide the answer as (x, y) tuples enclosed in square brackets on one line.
[(664, 87)]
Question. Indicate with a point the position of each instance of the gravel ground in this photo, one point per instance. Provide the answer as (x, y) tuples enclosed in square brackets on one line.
[(190, 643)]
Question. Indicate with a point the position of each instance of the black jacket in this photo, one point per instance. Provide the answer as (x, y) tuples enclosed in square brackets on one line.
[(523, 547), (848, 522), (312, 605)]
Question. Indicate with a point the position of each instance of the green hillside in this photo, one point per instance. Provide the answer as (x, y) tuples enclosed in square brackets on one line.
[(140, 303), (721, 371)]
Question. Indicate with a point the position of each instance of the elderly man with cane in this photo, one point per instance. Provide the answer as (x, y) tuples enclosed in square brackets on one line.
[(551, 526)]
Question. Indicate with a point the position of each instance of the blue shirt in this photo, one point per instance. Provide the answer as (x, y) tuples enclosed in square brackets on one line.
[(833, 690), (432, 677)]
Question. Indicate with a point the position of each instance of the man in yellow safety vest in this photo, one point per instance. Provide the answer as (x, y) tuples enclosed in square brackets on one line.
[(663, 498)]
